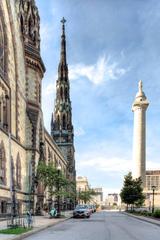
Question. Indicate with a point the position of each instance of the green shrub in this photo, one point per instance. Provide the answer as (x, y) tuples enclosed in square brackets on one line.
[(149, 214), (156, 213)]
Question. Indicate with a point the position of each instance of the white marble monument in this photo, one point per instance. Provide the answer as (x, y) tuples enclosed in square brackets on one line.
[(139, 108)]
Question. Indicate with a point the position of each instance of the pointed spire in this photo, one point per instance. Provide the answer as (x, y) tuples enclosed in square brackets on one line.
[(63, 42), (63, 68)]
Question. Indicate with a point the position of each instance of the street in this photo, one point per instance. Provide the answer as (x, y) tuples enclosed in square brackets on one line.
[(101, 226)]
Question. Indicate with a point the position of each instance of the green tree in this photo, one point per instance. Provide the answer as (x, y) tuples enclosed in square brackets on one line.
[(53, 179), (132, 191), (86, 195)]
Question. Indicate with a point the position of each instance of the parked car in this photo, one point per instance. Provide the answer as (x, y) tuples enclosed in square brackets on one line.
[(90, 207), (93, 208), (82, 211)]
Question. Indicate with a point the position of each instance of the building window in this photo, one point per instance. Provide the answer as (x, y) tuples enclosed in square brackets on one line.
[(39, 92), (3, 207), (61, 93), (4, 111), (58, 122), (66, 94), (2, 164), (1, 49), (64, 122), (18, 172)]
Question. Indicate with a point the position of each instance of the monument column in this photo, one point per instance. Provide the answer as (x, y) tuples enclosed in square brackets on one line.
[(139, 108)]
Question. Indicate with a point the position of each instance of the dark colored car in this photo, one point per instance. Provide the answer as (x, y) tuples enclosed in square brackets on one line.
[(82, 211)]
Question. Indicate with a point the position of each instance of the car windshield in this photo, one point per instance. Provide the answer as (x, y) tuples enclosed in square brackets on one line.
[(81, 207)]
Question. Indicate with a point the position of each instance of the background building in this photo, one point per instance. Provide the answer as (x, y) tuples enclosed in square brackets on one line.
[(98, 198), (82, 184), (112, 199), (152, 179)]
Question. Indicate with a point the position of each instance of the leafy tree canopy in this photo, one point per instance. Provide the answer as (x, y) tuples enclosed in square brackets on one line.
[(86, 195), (132, 191), (55, 180)]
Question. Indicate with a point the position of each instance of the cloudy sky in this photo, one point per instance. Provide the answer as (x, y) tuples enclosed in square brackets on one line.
[(111, 45)]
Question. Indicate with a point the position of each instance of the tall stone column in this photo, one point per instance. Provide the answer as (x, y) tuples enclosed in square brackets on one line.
[(139, 108)]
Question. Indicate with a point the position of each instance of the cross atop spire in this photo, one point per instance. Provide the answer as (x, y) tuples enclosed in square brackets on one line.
[(63, 21)]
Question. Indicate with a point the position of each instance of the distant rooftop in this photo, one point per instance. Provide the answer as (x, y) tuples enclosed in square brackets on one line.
[(153, 172)]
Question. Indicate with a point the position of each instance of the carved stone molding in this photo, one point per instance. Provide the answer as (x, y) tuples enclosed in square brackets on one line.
[(30, 22)]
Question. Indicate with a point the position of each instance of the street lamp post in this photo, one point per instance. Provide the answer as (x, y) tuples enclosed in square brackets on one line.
[(12, 187), (153, 189), (58, 188)]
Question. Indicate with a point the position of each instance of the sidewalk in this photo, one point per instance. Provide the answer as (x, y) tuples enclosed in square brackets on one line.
[(39, 223), (145, 219)]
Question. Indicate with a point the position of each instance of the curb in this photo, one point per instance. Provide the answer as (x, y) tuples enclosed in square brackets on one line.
[(143, 219), (28, 234)]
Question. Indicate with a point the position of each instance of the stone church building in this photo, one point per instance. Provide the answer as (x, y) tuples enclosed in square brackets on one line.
[(24, 141)]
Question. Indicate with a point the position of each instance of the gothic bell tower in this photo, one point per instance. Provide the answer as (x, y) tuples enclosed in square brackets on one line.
[(61, 122)]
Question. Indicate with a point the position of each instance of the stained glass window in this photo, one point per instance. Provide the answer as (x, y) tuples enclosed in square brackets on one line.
[(18, 172)]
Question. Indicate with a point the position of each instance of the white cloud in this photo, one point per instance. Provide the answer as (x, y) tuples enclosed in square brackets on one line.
[(99, 72), (151, 165), (106, 164), (49, 89), (46, 34), (79, 132)]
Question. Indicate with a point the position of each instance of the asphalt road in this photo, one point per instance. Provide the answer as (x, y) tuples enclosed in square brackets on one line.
[(101, 226)]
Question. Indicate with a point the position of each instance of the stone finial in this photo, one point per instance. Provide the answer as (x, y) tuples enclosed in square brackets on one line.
[(140, 86), (140, 99)]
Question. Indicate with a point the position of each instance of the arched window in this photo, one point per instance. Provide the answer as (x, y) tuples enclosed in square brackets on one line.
[(58, 122), (30, 26), (4, 96), (66, 94), (64, 122), (2, 164), (18, 172), (61, 93), (2, 47), (22, 23)]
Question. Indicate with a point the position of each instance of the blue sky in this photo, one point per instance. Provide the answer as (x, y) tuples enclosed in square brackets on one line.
[(111, 45)]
